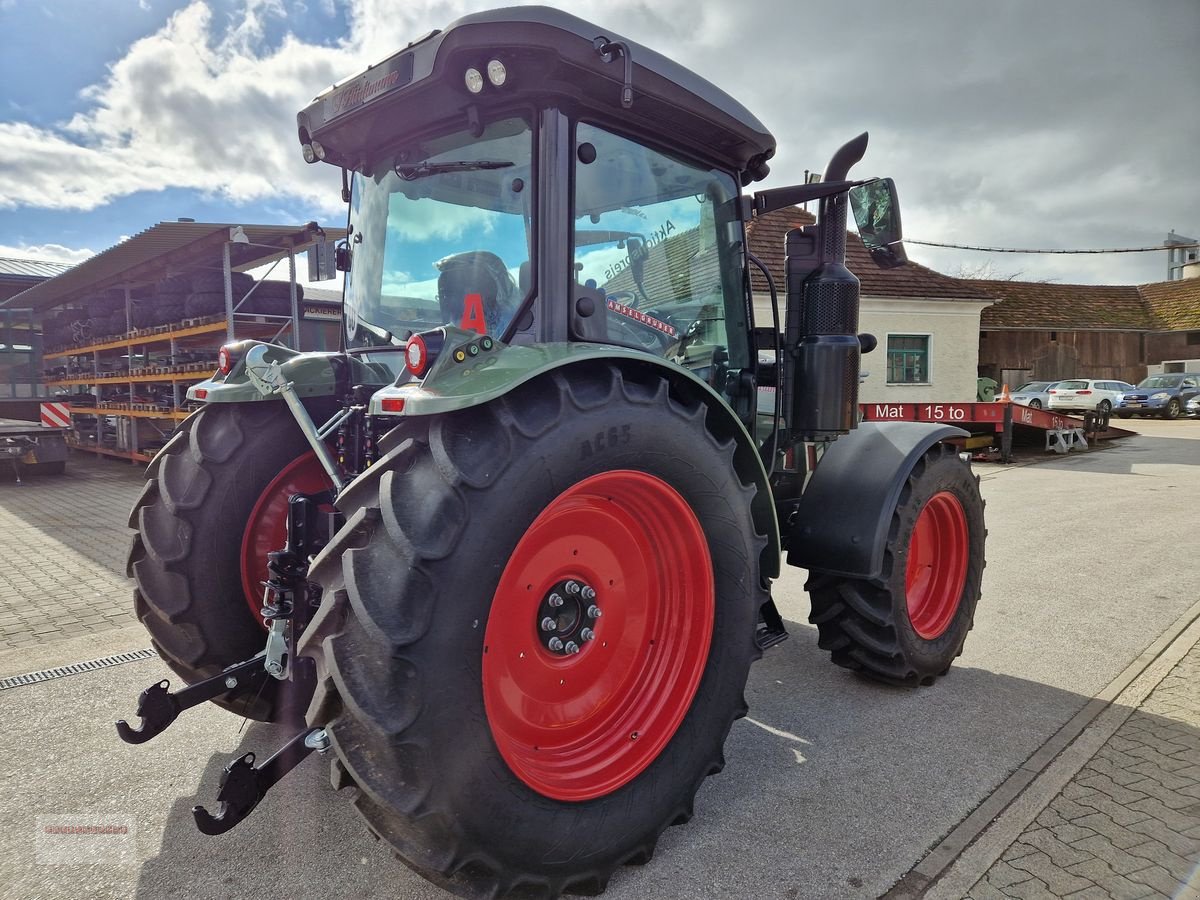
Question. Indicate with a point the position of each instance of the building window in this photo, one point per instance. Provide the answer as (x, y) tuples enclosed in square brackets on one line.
[(908, 359)]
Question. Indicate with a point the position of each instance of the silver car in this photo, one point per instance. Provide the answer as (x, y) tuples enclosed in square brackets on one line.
[(1033, 393)]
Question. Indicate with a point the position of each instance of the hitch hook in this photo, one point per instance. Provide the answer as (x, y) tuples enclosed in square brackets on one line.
[(157, 707), (243, 784)]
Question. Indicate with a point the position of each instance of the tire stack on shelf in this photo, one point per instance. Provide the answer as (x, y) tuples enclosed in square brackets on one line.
[(206, 295), (270, 298), (170, 297), (106, 311), (61, 328)]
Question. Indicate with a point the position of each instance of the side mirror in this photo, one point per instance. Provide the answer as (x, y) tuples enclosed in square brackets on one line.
[(877, 212)]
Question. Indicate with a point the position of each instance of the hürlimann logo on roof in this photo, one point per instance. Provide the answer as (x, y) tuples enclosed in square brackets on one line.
[(398, 73)]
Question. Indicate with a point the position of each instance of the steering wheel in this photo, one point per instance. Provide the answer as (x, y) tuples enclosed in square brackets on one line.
[(639, 334)]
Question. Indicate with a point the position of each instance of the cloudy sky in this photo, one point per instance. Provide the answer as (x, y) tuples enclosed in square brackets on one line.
[(1025, 123)]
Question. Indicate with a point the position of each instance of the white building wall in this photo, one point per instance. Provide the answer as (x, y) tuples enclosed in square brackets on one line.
[(953, 329)]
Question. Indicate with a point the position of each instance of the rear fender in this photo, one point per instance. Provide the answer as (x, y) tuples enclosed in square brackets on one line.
[(842, 520), (495, 372)]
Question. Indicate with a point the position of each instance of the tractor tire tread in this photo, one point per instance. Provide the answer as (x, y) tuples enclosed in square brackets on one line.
[(856, 618), (367, 696)]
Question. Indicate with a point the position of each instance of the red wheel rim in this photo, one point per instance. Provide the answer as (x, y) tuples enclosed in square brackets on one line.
[(937, 565), (266, 528), (579, 726)]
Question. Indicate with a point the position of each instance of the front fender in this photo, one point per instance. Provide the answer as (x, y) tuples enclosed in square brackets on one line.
[(842, 520), (495, 372)]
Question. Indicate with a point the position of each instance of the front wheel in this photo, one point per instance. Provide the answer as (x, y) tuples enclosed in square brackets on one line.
[(909, 624), (1172, 409), (537, 629), (1124, 415), (1035, 403)]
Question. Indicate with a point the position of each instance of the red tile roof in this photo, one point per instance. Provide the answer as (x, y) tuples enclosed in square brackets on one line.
[(1162, 306), (1175, 304), (1026, 304), (765, 235)]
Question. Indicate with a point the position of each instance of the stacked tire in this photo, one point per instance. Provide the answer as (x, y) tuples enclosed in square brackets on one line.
[(205, 293)]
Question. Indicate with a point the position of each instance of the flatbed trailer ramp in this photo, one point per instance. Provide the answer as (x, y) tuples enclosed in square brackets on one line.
[(1002, 420), (36, 447)]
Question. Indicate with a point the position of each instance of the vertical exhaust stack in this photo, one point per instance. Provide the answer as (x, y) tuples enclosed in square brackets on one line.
[(823, 317)]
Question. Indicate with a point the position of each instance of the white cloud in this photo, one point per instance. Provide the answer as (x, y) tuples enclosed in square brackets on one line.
[(190, 106), (46, 253), (1013, 124)]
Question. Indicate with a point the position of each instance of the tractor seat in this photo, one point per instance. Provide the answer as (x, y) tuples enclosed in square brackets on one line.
[(476, 272)]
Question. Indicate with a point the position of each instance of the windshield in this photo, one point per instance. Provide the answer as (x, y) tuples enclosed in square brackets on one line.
[(440, 234), (1034, 386), (1160, 381)]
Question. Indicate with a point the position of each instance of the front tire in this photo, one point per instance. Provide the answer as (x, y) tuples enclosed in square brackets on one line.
[(1172, 409), (907, 626), (214, 502), (491, 758)]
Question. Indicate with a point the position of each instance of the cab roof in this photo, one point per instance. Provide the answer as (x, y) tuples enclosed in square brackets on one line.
[(552, 60)]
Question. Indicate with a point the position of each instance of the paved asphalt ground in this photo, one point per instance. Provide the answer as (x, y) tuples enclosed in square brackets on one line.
[(834, 787)]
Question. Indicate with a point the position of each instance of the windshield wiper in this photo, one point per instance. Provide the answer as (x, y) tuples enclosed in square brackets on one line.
[(424, 169)]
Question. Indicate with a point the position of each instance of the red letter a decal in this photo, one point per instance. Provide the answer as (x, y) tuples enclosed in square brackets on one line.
[(473, 314)]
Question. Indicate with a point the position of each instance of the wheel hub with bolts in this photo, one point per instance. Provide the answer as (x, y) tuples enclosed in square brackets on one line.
[(567, 617)]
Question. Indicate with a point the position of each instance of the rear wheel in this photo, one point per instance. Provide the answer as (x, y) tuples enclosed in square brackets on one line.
[(214, 503), (907, 626), (532, 645), (1104, 407)]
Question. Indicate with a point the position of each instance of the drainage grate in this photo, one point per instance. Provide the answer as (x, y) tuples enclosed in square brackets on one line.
[(76, 668)]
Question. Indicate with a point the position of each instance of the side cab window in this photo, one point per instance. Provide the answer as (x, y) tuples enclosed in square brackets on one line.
[(658, 259)]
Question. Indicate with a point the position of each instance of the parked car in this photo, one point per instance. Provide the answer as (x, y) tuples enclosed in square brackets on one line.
[(1032, 393), (1160, 395), (1193, 407), (1082, 394)]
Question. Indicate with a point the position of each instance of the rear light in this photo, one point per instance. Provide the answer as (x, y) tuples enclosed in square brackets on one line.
[(422, 351), (1051, 392), (201, 394), (392, 404), (225, 361), (1083, 392)]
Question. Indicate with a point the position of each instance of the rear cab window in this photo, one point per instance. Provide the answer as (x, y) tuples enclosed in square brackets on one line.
[(658, 255)]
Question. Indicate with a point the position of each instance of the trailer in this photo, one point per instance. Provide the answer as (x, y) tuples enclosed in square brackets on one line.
[(998, 422), (36, 448)]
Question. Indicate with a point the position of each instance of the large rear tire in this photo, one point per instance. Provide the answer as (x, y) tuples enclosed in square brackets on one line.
[(907, 626), (215, 501), (492, 759)]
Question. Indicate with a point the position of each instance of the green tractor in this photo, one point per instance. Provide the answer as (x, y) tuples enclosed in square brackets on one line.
[(507, 557)]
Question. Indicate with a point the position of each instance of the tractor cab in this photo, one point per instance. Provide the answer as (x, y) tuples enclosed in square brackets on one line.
[(525, 175)]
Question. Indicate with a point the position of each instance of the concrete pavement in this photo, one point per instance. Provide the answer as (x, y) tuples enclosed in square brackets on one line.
[(834, 788), (62, 570)]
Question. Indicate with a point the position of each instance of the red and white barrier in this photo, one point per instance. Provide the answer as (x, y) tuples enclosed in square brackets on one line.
[(56, 415)]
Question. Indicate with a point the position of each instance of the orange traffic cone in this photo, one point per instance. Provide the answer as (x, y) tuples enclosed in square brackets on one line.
[(1004, 395)]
